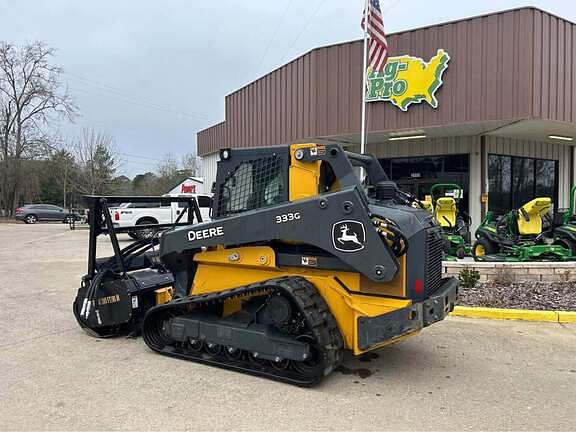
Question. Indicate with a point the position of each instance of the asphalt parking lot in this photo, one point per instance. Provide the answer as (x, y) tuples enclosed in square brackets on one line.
[(460, 374)]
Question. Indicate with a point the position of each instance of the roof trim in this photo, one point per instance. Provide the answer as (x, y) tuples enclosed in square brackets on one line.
[(213, 126)]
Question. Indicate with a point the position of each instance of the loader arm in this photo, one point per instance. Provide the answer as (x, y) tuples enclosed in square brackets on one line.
[(315, 221)]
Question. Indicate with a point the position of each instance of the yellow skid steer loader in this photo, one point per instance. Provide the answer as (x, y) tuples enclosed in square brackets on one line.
[(300, 261)]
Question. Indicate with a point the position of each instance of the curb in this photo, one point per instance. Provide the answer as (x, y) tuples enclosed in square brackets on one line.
[(515, 314)]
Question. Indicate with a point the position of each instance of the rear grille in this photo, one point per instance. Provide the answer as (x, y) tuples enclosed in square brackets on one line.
[(433, 261)]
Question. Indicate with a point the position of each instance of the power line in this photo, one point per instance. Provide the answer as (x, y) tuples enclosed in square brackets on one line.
[(121, 95), (127, 94), (135, 162), (390, 6), (140, 157), (132, 102), (308, 22), (122, 98), (144, 161), (280, 21)]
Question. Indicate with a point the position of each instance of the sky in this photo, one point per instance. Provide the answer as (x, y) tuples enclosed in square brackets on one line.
[(154, 73)]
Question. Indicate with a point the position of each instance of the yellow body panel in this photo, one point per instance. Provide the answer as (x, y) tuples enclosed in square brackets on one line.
[(534, 209), (229, 268), (303, 177), (445, 212), (163, 295)]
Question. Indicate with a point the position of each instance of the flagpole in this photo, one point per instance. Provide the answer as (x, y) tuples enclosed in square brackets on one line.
[(363, 127)]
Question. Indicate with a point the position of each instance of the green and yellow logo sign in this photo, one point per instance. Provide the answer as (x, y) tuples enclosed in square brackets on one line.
[(406, 80)]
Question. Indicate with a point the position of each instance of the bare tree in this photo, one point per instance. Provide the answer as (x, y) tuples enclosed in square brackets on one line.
[(97, 158), (192, 164), (64, 171), (168, 166), (30, 98), (168, 173)]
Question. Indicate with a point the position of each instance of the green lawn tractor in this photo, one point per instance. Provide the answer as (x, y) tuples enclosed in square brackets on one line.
[(455, 223), (518, 236), (564, 232)]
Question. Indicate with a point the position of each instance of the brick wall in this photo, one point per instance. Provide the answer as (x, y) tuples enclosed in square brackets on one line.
[(540, 271)]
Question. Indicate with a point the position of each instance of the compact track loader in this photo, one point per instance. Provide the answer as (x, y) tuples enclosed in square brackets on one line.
[(300, 261)]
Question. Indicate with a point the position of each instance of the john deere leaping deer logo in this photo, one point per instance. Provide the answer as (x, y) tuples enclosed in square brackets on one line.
[(348, 236)]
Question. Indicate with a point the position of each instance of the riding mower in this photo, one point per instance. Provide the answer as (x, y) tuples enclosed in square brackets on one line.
[(518, 236), (455, 223), (564, 232)]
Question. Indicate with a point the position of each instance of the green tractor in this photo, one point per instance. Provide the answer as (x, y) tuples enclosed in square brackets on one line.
[(519, 236), (443, 203), (564, 232)]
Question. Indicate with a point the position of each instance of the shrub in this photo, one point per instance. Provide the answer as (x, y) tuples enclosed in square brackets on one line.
[(503, 276), (468, 277)]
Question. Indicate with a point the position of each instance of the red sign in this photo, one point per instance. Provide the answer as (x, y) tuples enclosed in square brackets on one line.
[(188, 189)]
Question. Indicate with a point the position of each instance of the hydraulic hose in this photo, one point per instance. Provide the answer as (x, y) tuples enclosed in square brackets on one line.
[(389, 231)]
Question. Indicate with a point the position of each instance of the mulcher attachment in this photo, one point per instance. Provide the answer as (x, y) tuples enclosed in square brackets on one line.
[(283, 331), (117, 291), (113, 304)]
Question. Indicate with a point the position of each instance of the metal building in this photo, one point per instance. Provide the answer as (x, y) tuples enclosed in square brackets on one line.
[(503, 127)]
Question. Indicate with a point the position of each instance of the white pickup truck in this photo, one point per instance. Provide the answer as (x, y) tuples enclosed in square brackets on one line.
[(158, 212)]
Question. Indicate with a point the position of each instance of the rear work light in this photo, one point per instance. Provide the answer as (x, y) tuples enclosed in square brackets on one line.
[(116, 215)]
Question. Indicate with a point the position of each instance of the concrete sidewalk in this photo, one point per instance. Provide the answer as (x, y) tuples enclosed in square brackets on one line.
[(459, 374)]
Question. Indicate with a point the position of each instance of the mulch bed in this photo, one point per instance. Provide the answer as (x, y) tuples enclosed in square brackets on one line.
[(521, 295)]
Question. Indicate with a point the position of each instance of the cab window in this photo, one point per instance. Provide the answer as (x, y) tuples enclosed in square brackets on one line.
[(204, 201)]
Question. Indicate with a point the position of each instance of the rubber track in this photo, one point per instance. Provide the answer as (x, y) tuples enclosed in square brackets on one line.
[(320, 323)]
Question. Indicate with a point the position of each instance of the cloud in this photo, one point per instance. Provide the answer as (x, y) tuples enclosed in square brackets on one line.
[(154, 73)]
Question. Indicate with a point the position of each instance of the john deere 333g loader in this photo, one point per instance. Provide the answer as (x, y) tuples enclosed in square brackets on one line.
[(299, 262)]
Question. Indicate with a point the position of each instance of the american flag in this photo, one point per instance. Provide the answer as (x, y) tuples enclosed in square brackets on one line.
[(377, 45)]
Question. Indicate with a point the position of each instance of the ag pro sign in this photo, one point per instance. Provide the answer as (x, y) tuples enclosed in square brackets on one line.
[(406, 80)]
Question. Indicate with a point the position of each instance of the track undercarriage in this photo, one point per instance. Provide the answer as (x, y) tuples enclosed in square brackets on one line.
[(283, 331)]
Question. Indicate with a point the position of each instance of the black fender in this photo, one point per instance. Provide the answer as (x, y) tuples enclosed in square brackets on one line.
[(564, 232), (488, 235)]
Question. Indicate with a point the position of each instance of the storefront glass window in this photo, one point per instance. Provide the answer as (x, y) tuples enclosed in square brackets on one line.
[(513, 181), (522, 181), (545, 178), (417, 174), (499, 175)]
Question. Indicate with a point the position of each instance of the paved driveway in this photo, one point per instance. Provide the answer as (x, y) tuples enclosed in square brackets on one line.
[(459, 374)]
